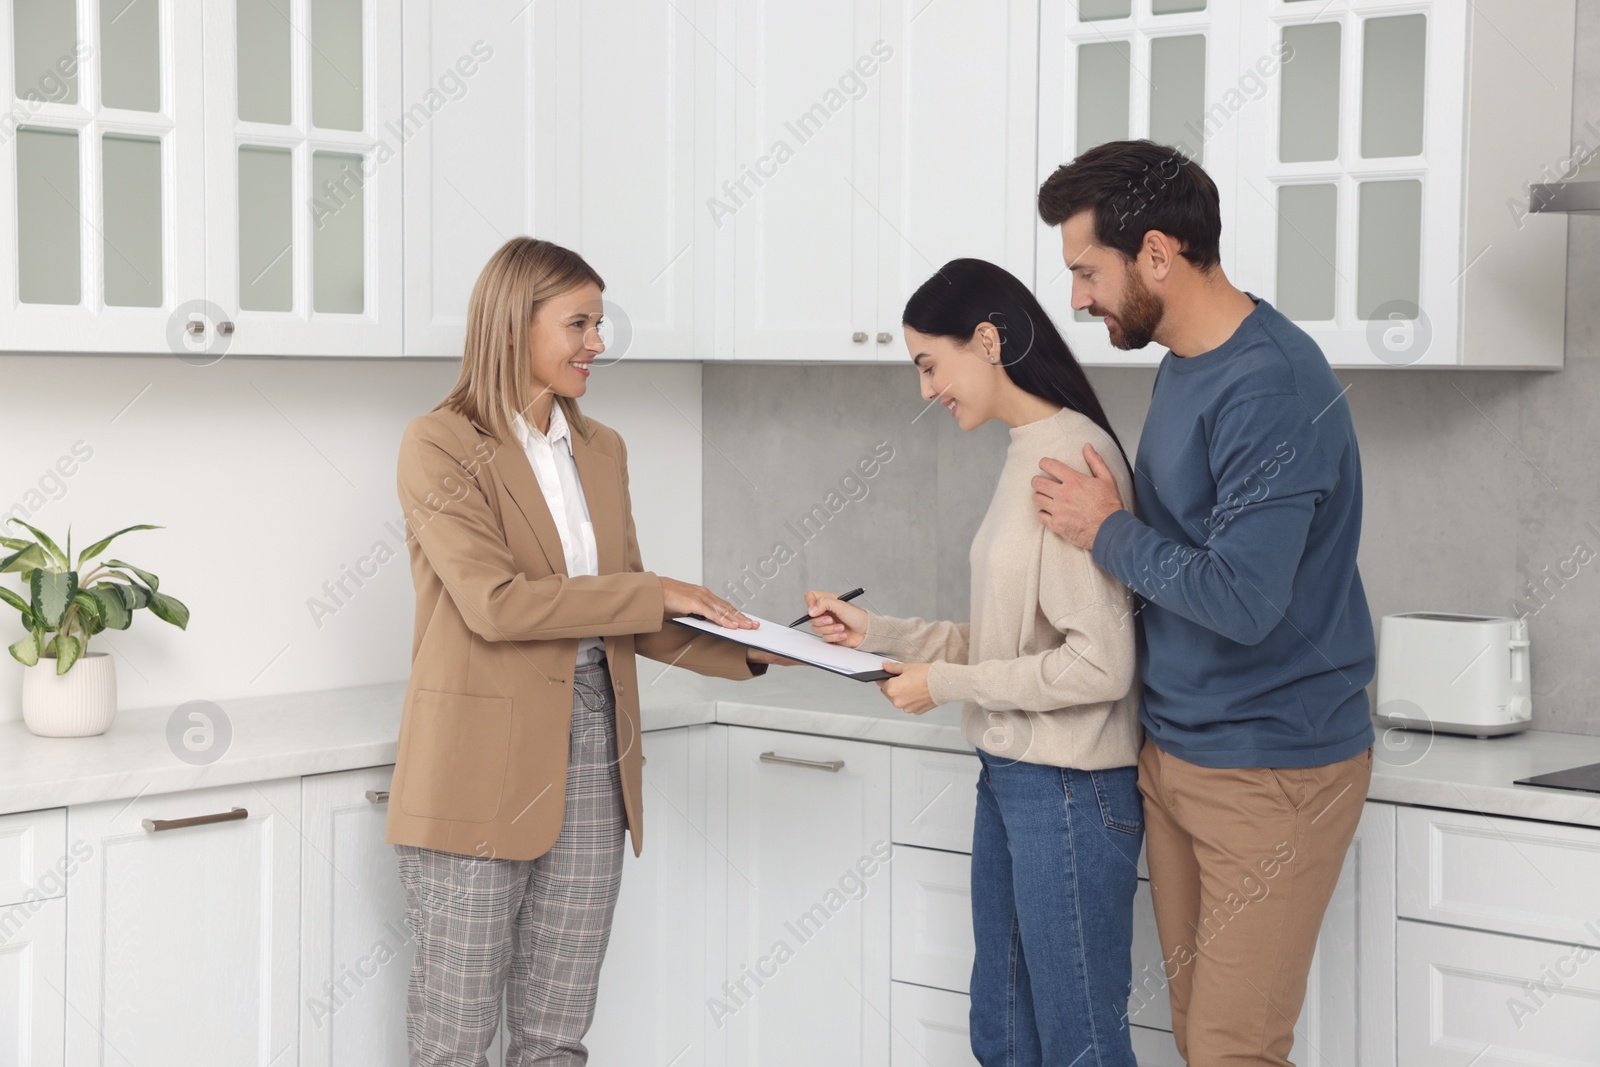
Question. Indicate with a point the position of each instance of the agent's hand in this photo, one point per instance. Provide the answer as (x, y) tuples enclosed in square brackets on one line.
[(761, 655), (908, 690), (681, 598), (836, 621)]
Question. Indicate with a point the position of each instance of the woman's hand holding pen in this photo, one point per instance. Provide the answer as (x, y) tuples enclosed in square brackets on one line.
[(682, 598), (836, 621)]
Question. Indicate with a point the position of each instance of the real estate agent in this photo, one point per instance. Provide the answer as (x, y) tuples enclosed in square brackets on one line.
[(519, 760)]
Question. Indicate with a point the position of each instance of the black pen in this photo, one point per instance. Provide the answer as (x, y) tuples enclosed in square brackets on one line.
[(851, 595)]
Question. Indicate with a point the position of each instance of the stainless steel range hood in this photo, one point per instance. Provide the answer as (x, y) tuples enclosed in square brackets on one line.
[(1572, 198)]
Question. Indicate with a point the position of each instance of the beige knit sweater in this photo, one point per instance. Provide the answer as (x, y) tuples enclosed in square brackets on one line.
[(1048, 667)]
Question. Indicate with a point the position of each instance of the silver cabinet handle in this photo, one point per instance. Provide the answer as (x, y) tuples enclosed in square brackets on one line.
[(833, 765), (195, 327), (155, 826), (859, 337), (885, 338), (225, 328), (378, 796)]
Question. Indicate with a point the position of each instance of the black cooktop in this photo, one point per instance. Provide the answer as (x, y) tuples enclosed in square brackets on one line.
[(1585, 779)]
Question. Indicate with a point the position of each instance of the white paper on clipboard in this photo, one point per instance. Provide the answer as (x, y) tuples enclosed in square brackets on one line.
[(798, 644)]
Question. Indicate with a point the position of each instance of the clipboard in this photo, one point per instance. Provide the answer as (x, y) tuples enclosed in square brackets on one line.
[(808, 648)]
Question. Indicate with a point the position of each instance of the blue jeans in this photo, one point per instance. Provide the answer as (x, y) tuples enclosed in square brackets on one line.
[(1055, 855)]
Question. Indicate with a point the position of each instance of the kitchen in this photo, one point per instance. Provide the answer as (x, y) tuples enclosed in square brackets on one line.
[(230, 370)]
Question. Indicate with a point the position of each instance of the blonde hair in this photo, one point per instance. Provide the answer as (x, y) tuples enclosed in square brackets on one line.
[(518, 279)]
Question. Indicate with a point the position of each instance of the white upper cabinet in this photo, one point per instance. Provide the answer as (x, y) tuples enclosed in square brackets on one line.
[(956, 153), (1110, 70), (873, 141), (1382, 191), (634, 151), (303, 135), (576, 123), (474, 173), (797, 193), (101, 223), (1372, 158), (759, 180)]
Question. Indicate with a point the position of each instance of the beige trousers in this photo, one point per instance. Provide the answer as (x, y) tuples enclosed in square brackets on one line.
[(1242, 863)]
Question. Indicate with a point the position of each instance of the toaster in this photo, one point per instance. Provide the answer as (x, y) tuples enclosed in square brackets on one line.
[(1458, 674)]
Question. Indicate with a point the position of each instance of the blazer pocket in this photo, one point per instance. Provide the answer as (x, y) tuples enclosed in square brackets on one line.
[(457, 752)]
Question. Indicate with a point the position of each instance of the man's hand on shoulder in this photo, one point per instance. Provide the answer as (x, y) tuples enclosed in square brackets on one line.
[(1073, 504)]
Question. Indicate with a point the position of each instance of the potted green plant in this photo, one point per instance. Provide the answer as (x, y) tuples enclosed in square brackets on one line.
[(62, 608)]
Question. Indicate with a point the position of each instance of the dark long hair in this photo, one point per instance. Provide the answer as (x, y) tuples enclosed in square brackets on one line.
[(967, 292)]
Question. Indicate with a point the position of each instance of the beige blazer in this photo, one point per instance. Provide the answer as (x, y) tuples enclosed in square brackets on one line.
[(482, 763)]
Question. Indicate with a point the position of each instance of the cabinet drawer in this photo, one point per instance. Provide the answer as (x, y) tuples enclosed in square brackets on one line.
[(930, 1030), (931, 940), (929, 1027), (935, 799), (1494, 1000), (931, 935), (1507, 875), (33, 855)]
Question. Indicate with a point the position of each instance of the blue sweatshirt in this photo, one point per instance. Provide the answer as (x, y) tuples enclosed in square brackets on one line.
[(1258, 643)]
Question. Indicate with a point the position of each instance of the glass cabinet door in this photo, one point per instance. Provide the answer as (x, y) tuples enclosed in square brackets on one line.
[(100, 166), (1117, 69), (1351, 180), (304, 128)]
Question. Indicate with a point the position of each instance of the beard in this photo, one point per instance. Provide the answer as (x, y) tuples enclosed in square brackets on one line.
[(1134, 324)]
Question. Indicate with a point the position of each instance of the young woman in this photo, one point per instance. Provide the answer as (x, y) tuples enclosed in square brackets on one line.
[(1047, 674), (519, 743)]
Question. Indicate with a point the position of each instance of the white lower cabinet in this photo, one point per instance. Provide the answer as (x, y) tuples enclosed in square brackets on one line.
[(355, 946), (33, 963), (651, 1007), (1148, 1004), (807, 960), (34, 865), (1349, 1014), (1524, 986), (1468, 997), (930, 1027), (183, 924), (769, 921)]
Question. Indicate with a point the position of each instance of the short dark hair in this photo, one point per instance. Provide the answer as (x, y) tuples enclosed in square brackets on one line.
[(1133, 187)]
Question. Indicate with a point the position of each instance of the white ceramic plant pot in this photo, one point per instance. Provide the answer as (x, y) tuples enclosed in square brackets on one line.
[(80, 703)]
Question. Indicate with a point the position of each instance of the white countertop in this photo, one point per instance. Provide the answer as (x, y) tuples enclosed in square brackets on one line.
[(333, 730)]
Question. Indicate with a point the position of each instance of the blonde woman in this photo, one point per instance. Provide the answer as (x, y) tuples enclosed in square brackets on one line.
[(519, 753)]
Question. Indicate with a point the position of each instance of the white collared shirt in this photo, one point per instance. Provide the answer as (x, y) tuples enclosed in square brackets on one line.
[(550, 455)]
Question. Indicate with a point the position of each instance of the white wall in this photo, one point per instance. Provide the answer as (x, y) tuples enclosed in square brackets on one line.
[(271, 476)]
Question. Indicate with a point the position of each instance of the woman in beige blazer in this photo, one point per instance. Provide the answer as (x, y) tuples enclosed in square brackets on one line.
[(519, 759)]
